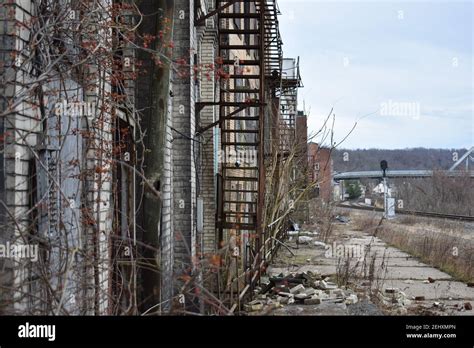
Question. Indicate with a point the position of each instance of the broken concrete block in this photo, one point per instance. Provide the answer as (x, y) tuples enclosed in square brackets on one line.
[(312, 301), (338, 293), (352, 299), (301, 296), (280, 288), (333, 300), (310, 291), (286, 300), (311, 276), (304, 240), (253, 306), (468, 306), (319, 244), (297, 289), (285, 294), (327, 285)]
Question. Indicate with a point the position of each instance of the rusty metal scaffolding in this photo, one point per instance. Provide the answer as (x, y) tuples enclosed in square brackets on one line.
[(249, 64)]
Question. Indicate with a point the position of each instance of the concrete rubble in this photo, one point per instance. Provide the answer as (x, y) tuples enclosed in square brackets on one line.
[(306, 288), (394, 297)]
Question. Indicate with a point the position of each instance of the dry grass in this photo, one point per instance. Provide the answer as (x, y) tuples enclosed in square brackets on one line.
[(365, 222), (323, 216), (450, 253), (351, 271)]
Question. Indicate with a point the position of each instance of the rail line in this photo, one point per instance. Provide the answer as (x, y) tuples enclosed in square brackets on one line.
[(413, 212)]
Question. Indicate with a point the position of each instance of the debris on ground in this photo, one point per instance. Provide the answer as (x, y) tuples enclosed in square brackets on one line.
[(342, 219), (394, 297), (293, 226), (468, 306), (318, 243), (306, 288), (304, 240), (303, 233)]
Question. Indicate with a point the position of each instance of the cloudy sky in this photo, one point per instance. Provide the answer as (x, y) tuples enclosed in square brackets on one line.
[(403, 70)]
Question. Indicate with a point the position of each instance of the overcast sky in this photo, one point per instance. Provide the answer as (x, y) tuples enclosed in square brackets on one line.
[(402, 69)]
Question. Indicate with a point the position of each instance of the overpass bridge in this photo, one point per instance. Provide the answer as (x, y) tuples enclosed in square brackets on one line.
[(377, 174)]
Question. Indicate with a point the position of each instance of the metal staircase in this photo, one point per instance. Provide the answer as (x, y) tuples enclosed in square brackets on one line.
[(241, 52)]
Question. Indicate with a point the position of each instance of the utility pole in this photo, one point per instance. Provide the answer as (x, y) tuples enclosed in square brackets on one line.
[(384, 166)]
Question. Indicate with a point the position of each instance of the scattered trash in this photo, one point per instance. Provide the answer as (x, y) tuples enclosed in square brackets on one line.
[(342, 219)]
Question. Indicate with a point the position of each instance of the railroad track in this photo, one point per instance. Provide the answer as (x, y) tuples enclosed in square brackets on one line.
[(413, 212)]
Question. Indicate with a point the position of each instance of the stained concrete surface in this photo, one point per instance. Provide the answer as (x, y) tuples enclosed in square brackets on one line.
[(393, 269)]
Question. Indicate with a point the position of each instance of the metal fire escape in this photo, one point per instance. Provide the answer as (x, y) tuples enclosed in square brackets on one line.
[(242, 115), (249, 61), (290, 82)]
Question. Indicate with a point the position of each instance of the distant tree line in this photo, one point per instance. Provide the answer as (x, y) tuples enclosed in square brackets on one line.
[(414, 158)]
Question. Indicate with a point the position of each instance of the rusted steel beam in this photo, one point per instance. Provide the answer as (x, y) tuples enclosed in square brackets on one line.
[(201, 20)]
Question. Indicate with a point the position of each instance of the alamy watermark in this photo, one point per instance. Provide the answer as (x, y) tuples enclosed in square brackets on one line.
[(336, 250), (238, 157), (19, 251), (400, 108), (75, 109)]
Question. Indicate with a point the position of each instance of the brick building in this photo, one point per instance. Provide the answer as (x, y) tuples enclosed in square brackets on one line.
[(161, 189), (320, 169)]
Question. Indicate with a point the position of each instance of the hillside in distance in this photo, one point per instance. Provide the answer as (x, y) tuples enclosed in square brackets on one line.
[(414, 158)]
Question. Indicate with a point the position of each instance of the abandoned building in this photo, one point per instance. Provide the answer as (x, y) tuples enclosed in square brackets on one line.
[(154, 171), (321, 171)]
